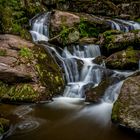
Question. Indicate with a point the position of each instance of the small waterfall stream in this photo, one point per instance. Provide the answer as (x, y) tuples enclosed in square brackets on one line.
[(78, 78), (124, 25), (88, 73), (40, 27)]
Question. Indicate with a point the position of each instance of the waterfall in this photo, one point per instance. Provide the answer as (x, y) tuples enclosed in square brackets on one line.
[(88, 73), (40, 26), (112, 92), (124, 25), (77, 61)]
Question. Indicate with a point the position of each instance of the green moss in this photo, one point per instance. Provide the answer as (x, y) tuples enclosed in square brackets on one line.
[(112, 43), (87, 30), (18, 92), (127, 59), (4, 125), (64, 34), (115, 111), (111, 32), (84, 28), (3, 52), (49, 72), (26, 53), (138, 20)]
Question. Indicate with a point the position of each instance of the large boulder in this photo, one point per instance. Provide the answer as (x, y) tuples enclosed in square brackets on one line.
[(126, 110), (124, 60), (67, 28), (95, 94), (15, 75), (60, 19), (113, 41), (28, 73)]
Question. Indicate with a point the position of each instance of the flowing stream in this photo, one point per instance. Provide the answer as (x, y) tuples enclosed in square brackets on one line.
[(124, 25), (69, 117)]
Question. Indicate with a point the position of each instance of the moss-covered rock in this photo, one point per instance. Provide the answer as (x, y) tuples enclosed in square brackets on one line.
[(126, 111), (4, 125), (22, 92), (33, 77), (67, 28), (95, 94), (113, 41), (124, 60)]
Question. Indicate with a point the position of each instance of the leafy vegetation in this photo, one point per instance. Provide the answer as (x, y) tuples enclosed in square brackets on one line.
[(87, 30), (19, 92), (15, 15)]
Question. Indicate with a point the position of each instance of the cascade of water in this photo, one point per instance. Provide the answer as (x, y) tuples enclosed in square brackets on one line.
[(114, 25), (80, 71), (133, 25), (124, 25), (79, 78), (112, 92), (40, 27)]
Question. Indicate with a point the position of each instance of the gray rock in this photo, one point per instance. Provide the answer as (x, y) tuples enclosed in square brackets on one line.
[(11, 75), (124, 60), (126, 110)]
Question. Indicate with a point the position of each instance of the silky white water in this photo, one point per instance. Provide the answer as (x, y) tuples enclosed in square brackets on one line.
[(124, 25), (80, 71), (40, 28)]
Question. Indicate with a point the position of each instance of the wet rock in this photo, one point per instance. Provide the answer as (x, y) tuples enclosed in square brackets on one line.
[(113, 41), (13, 42), (73, 36), (60, 19), (67, 28), (99, 60), (87, 40), (28, 73), (126, 110), (11, 75), (124, 60), (7, 60), (95, 94)]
